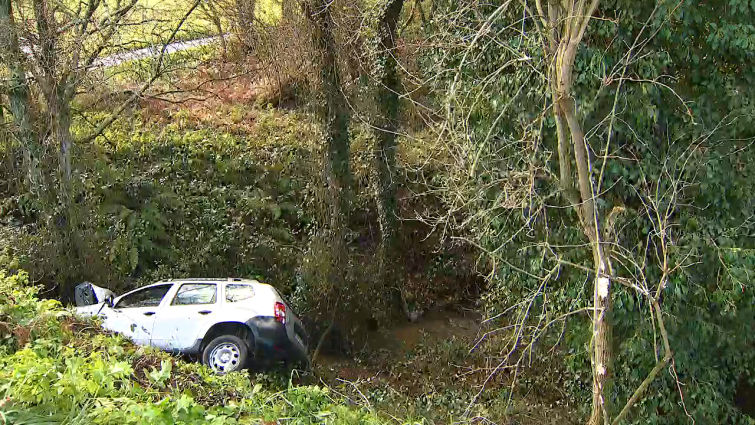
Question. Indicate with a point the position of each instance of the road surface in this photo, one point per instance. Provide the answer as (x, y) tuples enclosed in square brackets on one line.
[(119, 58)]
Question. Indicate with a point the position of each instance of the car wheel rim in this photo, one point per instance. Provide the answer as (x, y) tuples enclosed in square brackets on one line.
[(226, 357)]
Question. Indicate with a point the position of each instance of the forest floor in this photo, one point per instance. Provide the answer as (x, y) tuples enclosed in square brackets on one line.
[(439, 365)]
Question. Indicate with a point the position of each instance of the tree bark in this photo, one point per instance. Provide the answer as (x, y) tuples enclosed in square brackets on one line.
[(335, 117), (245, 21), (58, 92), (18, 94), (213, 14), (287, 11), (571, 28), (591, 224), (60, 116), (386, 98)]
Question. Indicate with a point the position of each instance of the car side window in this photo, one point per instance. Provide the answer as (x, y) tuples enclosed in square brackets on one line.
[(195, 294), (148, 297), (235, 292)]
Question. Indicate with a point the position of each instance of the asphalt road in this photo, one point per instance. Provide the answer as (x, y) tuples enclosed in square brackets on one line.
[(119, 58)]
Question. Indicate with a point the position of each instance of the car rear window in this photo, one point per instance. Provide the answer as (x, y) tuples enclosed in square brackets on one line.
[(235, 292)]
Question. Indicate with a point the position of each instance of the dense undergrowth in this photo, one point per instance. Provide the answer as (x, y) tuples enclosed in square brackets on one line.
[(228, 189), (59, 369), (235, 187)]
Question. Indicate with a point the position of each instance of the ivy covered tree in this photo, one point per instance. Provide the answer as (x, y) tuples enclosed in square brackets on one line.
[(386, 88), (334, 116), (595, 150)]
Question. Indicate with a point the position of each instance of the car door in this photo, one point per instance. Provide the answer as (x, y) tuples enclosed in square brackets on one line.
[(133, 314), (179, 322)]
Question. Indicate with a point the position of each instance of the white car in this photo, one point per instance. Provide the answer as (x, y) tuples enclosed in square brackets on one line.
[(227, 321)]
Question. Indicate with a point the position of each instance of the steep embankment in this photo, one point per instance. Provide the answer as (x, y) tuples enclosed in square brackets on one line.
[(55, 368)]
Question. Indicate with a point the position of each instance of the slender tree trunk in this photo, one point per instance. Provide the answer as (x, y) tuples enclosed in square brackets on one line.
[(564, 33), (421, 13), (591, 223), (18, 94), (58, 93), (287, 11), (336, 131), (60, 120), (214, 15), (385, 128), (221, 34), (245, 21)]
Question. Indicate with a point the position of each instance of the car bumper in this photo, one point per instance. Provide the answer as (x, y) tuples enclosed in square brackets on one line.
[(272, 341)]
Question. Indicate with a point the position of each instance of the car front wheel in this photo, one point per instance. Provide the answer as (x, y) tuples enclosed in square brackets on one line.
[(226, 353)]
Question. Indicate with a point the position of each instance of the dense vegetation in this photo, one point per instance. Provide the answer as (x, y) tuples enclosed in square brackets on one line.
[(59, 369), (666, 109), (575, 173)]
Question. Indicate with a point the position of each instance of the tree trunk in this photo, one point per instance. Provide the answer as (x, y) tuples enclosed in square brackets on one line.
[(335, 117), (287, 11), (591, 224), (214, 15), (60, 123), (221, 34), (385, 127), (18, 95), (563, 36), (245, 21)]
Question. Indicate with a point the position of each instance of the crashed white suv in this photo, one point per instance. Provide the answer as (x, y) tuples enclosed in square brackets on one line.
[(228, 321)]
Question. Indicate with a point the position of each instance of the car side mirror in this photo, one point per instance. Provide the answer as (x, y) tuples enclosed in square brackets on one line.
[(109, 301)]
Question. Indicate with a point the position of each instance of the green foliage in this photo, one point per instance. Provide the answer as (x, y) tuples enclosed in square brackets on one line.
[(19, 307), (667, 81), (77, 374), (171, 200)]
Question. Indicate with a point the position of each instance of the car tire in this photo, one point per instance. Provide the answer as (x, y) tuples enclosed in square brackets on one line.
[(225, 354)]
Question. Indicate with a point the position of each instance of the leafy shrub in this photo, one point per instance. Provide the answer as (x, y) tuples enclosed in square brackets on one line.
[(22, 315)]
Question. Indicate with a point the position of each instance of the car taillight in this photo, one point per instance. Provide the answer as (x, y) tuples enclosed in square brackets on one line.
[(280, 312)]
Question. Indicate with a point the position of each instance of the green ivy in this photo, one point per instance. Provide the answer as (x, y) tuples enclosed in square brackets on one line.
[(684, 111)]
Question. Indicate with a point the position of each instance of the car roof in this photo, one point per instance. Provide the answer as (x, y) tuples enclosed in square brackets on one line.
[(197, 279), (213, 280)]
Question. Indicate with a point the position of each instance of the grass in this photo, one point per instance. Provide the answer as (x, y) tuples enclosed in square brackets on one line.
[(151, 22)]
